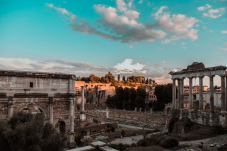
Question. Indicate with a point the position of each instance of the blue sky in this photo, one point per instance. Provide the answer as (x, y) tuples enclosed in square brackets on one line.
[(130, 37)]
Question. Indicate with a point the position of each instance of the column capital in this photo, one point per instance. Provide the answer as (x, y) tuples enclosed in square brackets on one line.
[(211, 76), (191, 77), (174, 78), (201, 77)]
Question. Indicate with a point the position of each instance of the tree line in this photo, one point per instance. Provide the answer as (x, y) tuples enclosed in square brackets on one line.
[(109, 78), (127, 98)]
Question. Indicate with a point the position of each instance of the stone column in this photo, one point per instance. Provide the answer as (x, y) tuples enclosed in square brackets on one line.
[(179, 94), (82, 98), (181, 97), (82, 113), (51, 101), (174, 94), (223, 108), (190, 97), (10, 107), (201, 93), (211, 99), (71, 115), (107, 113)]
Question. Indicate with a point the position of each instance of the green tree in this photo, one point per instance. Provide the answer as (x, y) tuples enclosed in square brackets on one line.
[(140, 97), (123, 78), (110, 77), (26, 132), (120, 96), (126, 98), (132, 98)]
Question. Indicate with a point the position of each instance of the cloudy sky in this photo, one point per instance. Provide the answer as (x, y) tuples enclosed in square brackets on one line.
[(127, 37)]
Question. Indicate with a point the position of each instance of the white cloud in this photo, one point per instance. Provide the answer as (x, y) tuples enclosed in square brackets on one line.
[(224, 49), (164, 62), (215, 13), (140, 2), (224, 31), (130, 4), (204, 27), (63, 11), (197, 45), (174, 37), (223, 19), (207, 6), (197, 25), (184, 47), (160, 49), (180, 24), (166, 68), (130, 46), (225, 43), (211, 31), (127, 65), (132, 14), (166, 41), (121, 5), (182, 43), (49, 4)]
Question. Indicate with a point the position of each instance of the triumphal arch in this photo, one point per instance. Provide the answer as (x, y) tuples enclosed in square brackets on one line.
[(198, 70), (53, 94)]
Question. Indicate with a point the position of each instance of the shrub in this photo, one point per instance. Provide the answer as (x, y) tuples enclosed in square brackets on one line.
[(78, 139), (113, 129), (218, 129), (169, 143), (133, 145)]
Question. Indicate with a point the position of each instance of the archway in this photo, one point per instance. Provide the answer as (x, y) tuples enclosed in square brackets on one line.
[(61, 127), (33, 110)]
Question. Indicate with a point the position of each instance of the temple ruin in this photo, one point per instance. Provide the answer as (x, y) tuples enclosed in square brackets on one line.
[(199, 70)]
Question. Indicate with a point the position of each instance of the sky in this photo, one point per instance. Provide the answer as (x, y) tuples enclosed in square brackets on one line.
[(127, 37)]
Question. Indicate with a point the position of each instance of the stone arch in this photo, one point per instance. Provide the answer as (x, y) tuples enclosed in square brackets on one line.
[(61, 127), (40, 108)]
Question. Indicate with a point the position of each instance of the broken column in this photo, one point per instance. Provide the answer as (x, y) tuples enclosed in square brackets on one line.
[(82, 113), (107, 113), (71, 116)]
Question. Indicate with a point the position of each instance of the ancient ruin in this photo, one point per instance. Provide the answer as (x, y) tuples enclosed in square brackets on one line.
[(52, 94), (199, 70)]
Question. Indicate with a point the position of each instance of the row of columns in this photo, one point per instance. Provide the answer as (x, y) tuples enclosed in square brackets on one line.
[(181, 94)]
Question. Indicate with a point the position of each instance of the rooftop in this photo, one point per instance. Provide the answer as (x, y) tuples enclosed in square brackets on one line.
[(34, 74)]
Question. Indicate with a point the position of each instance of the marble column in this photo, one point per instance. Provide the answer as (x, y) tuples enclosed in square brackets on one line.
[(201, 93), (190, 97), (182, 94), (71, 115), (82, 113), (51, 110), (174, 94), (211, 99), (107, 113), (10, 107), (82, 98), (179, 98), (223, 108)]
